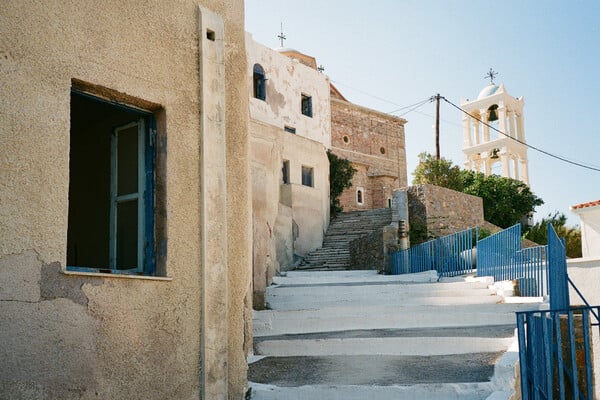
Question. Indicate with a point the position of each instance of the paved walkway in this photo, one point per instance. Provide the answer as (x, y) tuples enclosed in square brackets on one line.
[(358, 335)]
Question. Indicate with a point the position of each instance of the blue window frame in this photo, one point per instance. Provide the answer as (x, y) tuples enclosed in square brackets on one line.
[(111, 188)]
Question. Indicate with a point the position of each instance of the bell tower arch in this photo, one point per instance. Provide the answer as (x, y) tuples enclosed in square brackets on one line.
[(484, 149)]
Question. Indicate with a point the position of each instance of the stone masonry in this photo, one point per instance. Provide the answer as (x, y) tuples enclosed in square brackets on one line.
[(374, 143)]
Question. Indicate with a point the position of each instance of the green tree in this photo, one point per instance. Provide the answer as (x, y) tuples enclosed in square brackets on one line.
[(438, 172), (539, 233), (340, 178), (505, 201)]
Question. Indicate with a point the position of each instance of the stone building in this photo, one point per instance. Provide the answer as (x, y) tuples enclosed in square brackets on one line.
[(374, 142), (289, 134), (485, 150), (125, 223)]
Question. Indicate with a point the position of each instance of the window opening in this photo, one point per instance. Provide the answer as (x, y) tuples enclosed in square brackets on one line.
[(307, 105), (307, 176), (359, 196), (111, 187), (285, 172), (389, 203), (382, 150), (258, 79), (346, 139), (289, 129)]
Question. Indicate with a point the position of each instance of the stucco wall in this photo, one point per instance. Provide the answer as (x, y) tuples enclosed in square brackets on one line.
[(374, 142), (590, 230), (286, 80), (82, 336), (443, 211), (288, 218)]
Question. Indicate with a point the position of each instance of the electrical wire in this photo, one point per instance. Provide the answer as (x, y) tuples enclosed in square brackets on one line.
[(564, 159)]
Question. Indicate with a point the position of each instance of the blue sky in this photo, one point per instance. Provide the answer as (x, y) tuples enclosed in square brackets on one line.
[(389, 54)]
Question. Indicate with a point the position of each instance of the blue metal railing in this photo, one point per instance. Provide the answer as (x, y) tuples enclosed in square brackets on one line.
[(557, 267), (449, 255), (532, 271), (497, 254), (554, 354), (555, 345)]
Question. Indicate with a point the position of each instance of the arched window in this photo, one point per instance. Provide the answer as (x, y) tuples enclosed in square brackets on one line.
[(360, 196), (258, 82)]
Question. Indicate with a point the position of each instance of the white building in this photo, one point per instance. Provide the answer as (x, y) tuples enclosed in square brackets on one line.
[(290, 132), (589, 216), (484, 148)]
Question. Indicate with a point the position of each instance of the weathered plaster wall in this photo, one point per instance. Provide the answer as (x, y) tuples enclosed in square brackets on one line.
[(287, 79), (443, 211), (288, 218), (67, 337), (374, 142)]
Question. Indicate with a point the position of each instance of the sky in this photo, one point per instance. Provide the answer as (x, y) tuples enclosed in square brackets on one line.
[(389, 54)]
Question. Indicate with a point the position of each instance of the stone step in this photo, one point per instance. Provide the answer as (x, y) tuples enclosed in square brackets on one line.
[(380, 370)]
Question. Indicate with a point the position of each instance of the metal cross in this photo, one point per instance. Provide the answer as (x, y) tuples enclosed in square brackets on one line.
[(491, 75), (321, 68), (281, 36)]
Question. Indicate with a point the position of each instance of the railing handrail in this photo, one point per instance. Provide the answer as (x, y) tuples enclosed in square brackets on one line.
[(596, 314)]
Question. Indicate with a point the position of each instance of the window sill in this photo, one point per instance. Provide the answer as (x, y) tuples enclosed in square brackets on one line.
[(123, 276)]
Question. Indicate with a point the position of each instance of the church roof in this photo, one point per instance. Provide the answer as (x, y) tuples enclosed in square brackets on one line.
[(488, 91), (586, 205)]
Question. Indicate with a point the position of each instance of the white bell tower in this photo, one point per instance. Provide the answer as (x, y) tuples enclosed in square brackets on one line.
[(484, 148)]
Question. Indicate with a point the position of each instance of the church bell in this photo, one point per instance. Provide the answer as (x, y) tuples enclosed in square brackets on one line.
[(493, 113)]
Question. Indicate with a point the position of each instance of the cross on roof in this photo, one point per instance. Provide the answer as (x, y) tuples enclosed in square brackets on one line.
[(491, 75), (321, 68), (281, 36)]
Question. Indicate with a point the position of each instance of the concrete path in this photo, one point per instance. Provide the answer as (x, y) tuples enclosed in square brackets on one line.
[(359, 335)]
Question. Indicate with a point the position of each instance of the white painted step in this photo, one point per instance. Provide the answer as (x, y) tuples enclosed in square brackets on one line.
[(399, 346), (277, 322), (448, 391)]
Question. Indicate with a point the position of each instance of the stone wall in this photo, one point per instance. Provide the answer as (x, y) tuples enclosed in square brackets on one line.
[(440, 211), (367, 252), (374, 143)]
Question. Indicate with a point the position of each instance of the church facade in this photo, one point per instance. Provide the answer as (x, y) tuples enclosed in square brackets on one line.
[(374, 142)]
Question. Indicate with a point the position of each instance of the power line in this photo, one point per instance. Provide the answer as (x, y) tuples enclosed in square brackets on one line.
[(564, 159), (366, 93)]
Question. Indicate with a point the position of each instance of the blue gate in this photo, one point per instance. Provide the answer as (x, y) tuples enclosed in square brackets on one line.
[(554, 345), (554, 354)]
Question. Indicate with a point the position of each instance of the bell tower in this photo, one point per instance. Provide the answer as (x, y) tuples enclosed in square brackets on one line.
[(485, 150)]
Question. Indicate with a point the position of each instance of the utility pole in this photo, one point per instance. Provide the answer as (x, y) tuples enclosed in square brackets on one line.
[(437, 126)]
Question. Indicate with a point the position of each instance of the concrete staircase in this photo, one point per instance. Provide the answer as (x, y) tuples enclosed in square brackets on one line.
[(357, 335), (335, 253)]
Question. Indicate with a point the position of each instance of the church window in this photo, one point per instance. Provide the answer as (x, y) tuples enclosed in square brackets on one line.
[(382, 150), (346, 139), (307, 105), (360, 200), (258, 81), (289, 129)]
